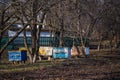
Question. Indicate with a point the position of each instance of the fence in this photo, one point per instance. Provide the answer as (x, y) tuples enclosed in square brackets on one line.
[(44, 41), (3, 41)]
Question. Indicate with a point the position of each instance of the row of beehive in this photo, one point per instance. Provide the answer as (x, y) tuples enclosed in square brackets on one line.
[(54, 52), (63, 52)]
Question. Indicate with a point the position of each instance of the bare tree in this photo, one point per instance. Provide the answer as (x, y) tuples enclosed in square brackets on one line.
[(7, 19), (35, 12), (111, 20)]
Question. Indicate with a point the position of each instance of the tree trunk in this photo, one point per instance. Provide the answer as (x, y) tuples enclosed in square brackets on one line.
[(28, 49), (115, 41), (34, 28), (111, 45), (0, 58), (37, 45), (73, 41), (33, 43), (61, 33), (61, 39), (34, 58), (99, 44)]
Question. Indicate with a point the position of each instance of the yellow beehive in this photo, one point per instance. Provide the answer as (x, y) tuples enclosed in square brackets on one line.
[(22, 49), (42, 51)]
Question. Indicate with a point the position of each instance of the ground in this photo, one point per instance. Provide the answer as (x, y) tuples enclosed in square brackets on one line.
[(103, 65)]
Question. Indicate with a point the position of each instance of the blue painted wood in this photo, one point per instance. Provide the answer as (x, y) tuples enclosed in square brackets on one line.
[(87, 50), (17, 55), (61, 52)]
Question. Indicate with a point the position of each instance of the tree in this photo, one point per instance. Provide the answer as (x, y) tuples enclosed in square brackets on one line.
[(7, 18), (35, 12), (88, 14), (111, 21)]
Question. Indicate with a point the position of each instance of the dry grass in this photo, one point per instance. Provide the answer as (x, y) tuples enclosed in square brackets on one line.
[(101, 66)]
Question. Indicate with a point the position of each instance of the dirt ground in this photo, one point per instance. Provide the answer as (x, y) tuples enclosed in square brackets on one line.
[(99, 66)]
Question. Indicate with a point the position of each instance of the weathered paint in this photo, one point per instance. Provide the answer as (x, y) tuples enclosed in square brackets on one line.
[(45, 51), (74, 51), (61, 52), (17, 55)]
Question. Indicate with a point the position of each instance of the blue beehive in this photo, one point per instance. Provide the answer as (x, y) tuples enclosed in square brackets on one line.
[(17, 55), (87, 51), (61, 52)]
